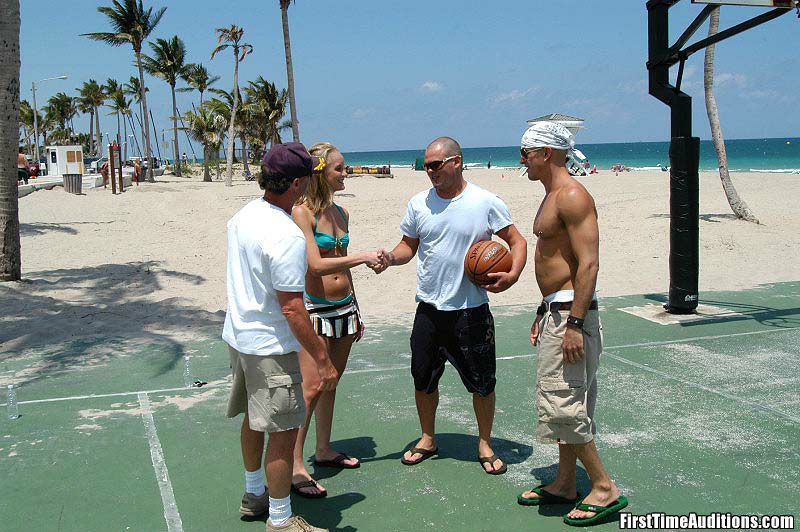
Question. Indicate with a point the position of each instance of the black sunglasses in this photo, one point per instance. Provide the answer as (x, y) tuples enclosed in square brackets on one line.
[(435, 165), (524, 152)]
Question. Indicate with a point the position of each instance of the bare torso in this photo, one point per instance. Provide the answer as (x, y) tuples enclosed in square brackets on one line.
[(22, 161), (333, 286), (554, 260)]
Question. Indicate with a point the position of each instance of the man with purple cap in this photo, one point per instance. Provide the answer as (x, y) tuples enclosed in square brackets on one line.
[(566, 328), (265, 326)]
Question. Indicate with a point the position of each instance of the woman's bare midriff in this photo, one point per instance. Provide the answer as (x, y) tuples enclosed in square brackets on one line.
[(333, 286)]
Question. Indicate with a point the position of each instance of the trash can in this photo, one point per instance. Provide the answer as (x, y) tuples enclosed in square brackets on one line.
[(73, 183)]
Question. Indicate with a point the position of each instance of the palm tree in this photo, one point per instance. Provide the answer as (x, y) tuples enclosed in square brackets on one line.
[(132, 24), (92, 95), (62, 108), (10, 256), (26, 122), (120, 106), (269, 105), (738, 206), (206, 126), (112, 87), (168, 63), (198, 79), (134, 89), (232, 36), (289, 70)]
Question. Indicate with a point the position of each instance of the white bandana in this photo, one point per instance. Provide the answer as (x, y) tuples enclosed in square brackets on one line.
[(548, 134)]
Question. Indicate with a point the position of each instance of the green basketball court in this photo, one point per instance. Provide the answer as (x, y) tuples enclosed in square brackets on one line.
[(695, 416)]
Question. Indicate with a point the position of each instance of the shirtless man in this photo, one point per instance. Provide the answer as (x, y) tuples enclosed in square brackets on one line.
[(566, 328), (23, 167)]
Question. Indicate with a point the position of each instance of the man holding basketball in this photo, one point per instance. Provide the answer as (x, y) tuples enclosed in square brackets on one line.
[(567, 327), (453, 321)]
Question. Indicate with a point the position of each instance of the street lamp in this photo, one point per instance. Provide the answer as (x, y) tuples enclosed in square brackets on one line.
[(35, 118)]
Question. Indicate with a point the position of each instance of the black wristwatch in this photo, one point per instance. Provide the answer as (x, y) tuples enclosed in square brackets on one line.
[(575, 323)]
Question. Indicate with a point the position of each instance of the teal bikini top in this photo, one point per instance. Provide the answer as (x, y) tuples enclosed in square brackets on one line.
[(326, 241)]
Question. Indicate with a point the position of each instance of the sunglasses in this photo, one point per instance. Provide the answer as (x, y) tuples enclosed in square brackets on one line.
[(436, 165), (524, 152)]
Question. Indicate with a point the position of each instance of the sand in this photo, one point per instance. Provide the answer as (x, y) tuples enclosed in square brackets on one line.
[(149, 265)]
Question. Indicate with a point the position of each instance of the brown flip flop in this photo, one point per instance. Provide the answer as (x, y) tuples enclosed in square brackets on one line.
[(426, 453), (491, 460), (309, 484)]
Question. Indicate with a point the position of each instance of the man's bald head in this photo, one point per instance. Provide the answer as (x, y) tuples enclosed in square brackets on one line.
[(449, 146)]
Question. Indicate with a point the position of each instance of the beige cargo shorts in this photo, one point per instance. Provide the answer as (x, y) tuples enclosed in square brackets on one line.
[(269, 390), (566, 393)]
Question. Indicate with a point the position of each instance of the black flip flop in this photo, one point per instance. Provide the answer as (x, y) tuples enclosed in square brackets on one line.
[(544, 497), (491, 460), (337, 462), (309, 484), (426, 453)]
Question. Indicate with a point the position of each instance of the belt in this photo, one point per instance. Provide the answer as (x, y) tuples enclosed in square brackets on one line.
[(555, 306)]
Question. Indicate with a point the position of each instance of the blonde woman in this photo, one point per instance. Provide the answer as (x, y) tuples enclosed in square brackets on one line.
[(331, 303)]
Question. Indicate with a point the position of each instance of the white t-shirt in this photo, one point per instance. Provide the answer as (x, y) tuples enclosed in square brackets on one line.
[(446, 228), (266, 252)]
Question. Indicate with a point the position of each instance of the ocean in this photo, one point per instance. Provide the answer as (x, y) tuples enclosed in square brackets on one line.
[(744, 155)]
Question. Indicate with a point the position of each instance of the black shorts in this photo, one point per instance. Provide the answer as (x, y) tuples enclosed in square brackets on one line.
[(464, 337)]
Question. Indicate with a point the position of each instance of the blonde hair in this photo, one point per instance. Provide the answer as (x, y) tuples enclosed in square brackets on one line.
[(319, 195)]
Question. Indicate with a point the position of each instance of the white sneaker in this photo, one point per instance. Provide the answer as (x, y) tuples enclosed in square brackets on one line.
[(294, 524)]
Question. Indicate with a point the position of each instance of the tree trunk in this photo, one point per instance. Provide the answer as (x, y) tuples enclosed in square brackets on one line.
[(10, 254), (232, 125), (97, 131), (244, 154), (119, 131), (92, 140), (206, 170), (146, 127), (177, 164), (125, 129), (289, 71), (738, 206)]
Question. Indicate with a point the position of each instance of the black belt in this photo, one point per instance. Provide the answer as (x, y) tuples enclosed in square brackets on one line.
[(555, 306)]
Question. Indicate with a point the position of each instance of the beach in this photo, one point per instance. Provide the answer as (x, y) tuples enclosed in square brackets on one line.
[(149, 265)]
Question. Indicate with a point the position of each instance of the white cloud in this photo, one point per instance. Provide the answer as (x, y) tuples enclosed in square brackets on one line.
[(431, 86), (511, 96), (363, 112), (725, 78)]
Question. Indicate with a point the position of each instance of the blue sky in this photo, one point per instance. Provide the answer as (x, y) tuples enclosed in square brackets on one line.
[(391, 74)]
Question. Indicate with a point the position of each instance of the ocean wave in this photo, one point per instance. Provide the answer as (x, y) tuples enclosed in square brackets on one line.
[(777, 170)]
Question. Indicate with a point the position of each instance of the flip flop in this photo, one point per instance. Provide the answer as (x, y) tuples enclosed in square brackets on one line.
[(602, 511), (544, 497), (491, 460), (309, 484), (426, 453), (337, 462)]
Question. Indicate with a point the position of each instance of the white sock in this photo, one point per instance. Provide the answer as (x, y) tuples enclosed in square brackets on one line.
[(254, 482), (280, 510)]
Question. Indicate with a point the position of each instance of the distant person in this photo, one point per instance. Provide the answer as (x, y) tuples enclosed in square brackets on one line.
[(184, 159), (23, 167), (266, 325), (566, 328), (104, 173), (137, 171), (453, 321), (330, 299)]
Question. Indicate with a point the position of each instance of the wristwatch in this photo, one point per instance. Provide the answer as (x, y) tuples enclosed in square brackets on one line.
[(575, 323)]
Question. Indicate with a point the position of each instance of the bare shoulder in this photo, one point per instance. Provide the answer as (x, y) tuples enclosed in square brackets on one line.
[(301, 214), (345, 211), (574, 202)]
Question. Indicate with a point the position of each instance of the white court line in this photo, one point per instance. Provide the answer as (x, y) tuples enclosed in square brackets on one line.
[(395, 368), (171, 514)]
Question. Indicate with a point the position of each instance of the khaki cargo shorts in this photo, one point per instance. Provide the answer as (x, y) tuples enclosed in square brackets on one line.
[(269, 390), (566, 393)]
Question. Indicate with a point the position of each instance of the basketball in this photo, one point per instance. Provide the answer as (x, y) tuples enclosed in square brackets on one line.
[(486, 257)]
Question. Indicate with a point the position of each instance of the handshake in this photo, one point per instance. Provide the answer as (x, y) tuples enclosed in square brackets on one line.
[(378, 260)]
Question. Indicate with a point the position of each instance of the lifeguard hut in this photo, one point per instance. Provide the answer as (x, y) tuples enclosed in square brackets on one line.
[(62, 160)]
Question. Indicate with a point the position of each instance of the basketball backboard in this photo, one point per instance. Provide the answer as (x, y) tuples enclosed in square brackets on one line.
[(759, 3)]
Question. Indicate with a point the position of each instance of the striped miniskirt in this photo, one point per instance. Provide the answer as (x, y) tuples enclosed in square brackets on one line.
[(333, 319)]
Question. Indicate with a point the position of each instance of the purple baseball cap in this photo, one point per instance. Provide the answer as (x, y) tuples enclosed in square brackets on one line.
[(290, 160)]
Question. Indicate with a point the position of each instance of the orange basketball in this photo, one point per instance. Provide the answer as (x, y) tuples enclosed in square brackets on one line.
[(486, 257)]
